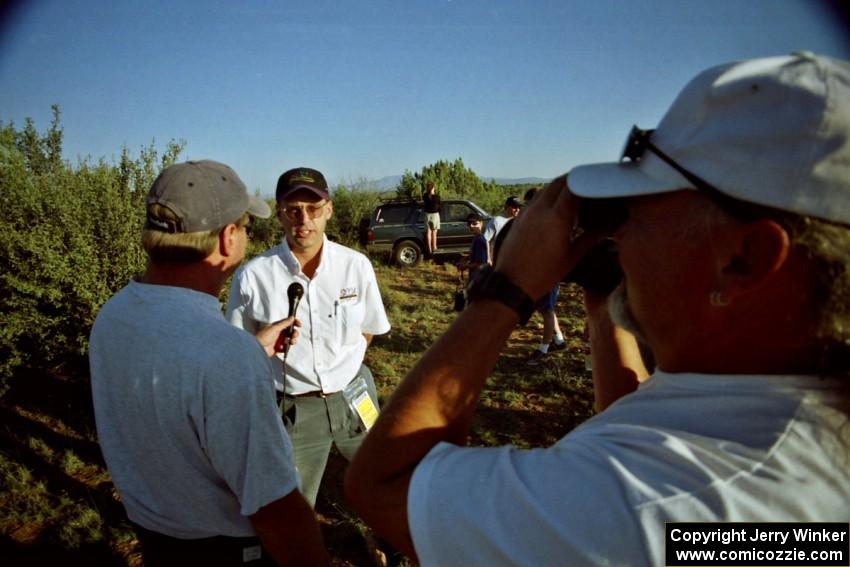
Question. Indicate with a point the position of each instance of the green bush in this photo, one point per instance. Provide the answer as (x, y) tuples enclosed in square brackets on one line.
[(351, 204), (264, 233), (71, 241), (72, 237), (455, 180)]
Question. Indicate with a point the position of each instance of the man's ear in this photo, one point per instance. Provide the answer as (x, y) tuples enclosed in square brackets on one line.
[(330, 209), (759, 252), (227, 239)]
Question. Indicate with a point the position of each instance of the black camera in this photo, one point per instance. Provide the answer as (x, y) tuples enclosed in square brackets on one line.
[(599, 269), (601, 215)]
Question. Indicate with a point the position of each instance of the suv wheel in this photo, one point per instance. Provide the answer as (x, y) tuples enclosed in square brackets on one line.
[(407, 253)]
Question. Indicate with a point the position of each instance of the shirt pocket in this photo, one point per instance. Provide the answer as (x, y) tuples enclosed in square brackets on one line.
[(352, 312)]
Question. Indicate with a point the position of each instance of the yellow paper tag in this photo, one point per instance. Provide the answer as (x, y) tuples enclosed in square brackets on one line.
[(366, 410)]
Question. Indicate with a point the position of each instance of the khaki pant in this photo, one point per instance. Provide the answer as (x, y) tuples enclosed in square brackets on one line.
[(315, 424)]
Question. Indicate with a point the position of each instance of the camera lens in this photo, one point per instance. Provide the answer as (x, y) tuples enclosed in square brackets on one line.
[(599, 270)]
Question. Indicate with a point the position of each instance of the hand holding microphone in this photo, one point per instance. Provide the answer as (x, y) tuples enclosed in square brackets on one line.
[(294, 294)]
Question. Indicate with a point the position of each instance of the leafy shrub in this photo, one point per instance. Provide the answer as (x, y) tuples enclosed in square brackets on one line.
[(72, 236), (456, 180), (350, 205), (71, 241), (264, 233)]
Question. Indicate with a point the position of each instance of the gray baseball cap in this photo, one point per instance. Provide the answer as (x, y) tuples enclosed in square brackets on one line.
[(204, 195)]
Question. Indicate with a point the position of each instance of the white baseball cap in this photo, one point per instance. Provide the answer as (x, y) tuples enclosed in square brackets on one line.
[(772, 131)]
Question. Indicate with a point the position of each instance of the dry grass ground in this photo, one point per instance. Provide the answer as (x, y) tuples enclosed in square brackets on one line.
[(57, 503)]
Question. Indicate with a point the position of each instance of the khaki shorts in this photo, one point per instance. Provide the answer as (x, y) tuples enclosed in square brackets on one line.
[(432, 221)]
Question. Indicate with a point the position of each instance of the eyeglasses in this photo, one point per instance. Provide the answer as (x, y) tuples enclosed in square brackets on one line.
[(309, 211), (639, 141)]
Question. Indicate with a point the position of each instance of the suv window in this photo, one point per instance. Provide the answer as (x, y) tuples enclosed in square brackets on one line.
[(392, 215), (456, 212)]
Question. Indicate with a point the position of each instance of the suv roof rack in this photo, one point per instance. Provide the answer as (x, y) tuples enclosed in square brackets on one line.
[(393, 197)]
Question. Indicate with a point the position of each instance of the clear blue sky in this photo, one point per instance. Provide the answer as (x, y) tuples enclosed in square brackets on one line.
[(369, 88)]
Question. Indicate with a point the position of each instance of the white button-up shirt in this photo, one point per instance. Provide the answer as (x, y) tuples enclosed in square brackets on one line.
[(339, 305)]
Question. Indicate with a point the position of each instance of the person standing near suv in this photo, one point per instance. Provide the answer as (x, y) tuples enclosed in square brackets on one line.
[(477, 256), (431, 207), (340, 311), (512, 208)]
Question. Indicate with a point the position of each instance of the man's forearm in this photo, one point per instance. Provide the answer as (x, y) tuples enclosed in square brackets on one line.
[(289, 532), (434, 403)]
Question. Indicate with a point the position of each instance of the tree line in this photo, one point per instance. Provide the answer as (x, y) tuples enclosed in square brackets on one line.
[(72, 236)]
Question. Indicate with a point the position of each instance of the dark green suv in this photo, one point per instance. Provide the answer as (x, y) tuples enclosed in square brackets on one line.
[(398, 226)]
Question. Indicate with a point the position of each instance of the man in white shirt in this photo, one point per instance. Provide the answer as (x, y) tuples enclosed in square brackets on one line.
[(184, 402), (340, 311), (497, 223), (733, 233)]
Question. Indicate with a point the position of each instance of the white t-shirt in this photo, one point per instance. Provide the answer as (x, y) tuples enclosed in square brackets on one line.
[(186, 413), (683, 448), (493, 227), (339, 304)]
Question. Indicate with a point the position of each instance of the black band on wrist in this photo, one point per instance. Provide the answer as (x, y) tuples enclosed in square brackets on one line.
[(490, 284)]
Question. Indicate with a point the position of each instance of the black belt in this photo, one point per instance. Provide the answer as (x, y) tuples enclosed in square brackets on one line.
[(162, 550), (311, 394)]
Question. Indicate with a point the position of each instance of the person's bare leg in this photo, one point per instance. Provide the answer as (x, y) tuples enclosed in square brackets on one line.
[(549, 324)]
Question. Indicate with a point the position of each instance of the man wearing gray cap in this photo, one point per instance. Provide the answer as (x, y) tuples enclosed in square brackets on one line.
[(184, 402), (734, 239)]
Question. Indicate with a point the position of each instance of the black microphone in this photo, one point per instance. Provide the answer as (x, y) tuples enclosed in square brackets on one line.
[(294, 293)]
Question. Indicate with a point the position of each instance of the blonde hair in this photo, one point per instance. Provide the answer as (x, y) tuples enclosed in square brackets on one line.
[(180, 247)]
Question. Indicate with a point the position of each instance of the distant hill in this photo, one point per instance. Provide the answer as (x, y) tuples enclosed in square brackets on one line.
[(389, 182), (392, 181), (517, 181)]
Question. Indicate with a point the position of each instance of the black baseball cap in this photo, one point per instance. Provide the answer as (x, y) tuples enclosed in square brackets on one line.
[(512, 201), (301, 178)]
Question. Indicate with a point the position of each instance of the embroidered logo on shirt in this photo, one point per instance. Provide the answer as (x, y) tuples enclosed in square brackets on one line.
[(348, 293)]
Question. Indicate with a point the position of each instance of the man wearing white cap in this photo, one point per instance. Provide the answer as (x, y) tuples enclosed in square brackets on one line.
[(734, 242)]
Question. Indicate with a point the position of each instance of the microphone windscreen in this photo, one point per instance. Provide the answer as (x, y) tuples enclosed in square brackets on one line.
[(295, 291)]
